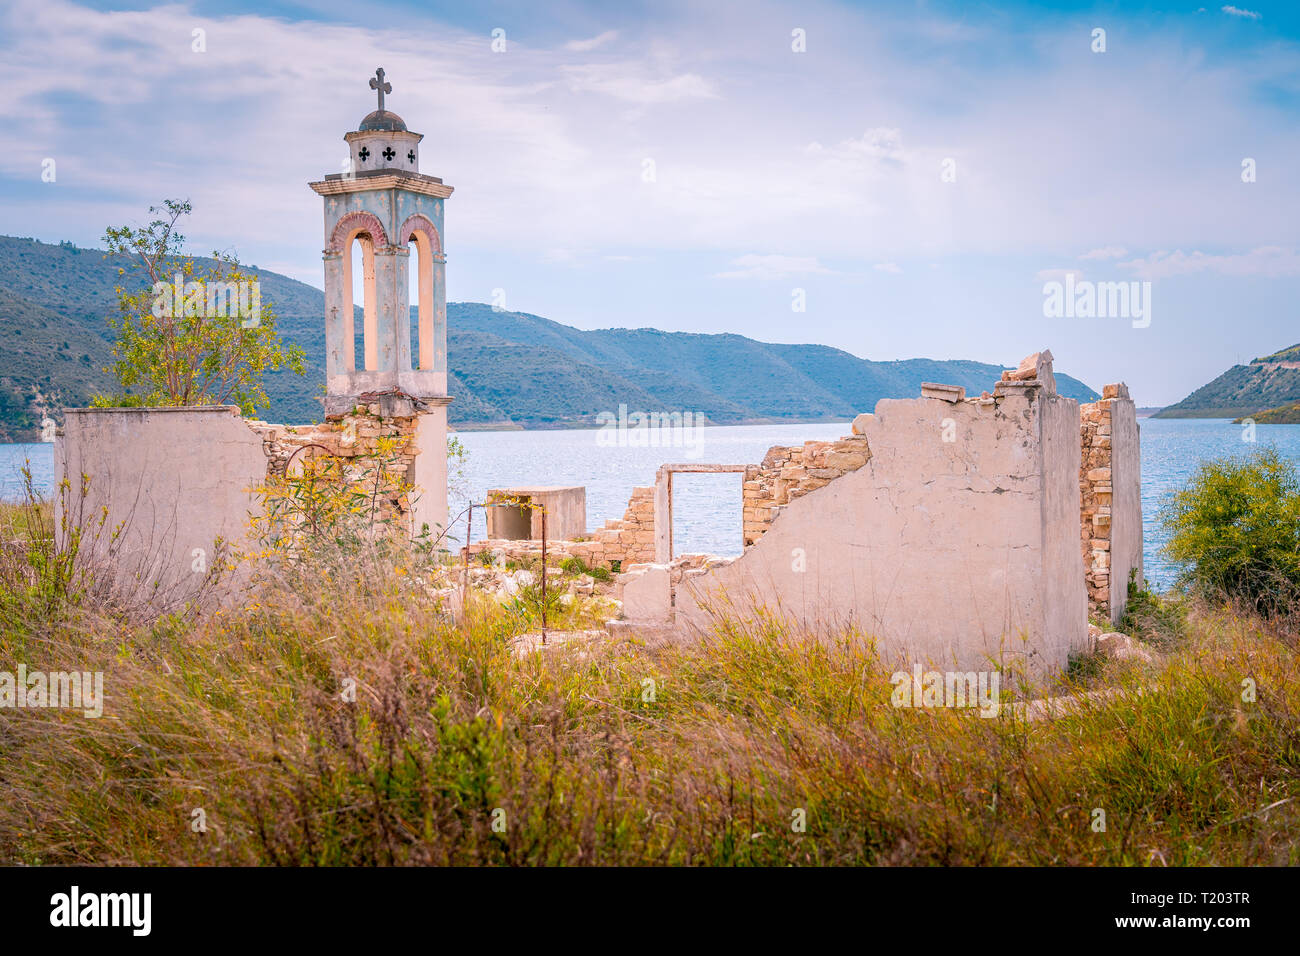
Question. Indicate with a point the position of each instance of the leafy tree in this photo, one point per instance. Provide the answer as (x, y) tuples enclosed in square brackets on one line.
[(198, 333), (1235, 528)]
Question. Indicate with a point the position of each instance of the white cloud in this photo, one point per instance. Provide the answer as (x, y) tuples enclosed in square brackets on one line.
[(749, 151), (773, 267), (635, 86), (1238, 12), (584, 46), (875, 144), (1058, 275), (887, 267), (1265, 261), (1106, 252)]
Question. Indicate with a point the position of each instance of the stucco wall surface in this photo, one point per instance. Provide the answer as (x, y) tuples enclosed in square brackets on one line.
[(176, 480), (959, 551)]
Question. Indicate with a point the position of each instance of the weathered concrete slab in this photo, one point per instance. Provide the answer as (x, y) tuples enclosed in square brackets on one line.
[(565, 508), (646, 592)]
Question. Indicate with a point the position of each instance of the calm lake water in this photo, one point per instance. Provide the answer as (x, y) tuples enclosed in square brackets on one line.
[(707, 507)]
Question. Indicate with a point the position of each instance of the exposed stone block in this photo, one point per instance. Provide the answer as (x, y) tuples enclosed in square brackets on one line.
[(947, 393)]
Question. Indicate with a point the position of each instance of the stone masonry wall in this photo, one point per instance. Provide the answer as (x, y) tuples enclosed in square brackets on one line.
[(789, 472), (1098, 428), (631, 539), (378, 454), (1097, 493)]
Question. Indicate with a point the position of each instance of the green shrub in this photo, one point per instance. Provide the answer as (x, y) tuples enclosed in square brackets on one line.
[(529, 604), (196, 347), (125, 400), (1156, 619), (1235, 529), (575, 565)]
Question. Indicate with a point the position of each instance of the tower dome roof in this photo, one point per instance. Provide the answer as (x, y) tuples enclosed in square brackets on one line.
[(382, 120)]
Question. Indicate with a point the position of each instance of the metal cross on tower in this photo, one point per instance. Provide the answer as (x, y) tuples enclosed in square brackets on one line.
[(377, 83)]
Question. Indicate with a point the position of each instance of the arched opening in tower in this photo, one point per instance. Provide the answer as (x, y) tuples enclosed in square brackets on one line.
[(421, 297), (359, 283)]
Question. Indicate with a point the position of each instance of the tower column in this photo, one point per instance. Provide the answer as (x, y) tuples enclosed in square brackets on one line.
[(430, 469), (334, 315), (440, 318), (402, 307), (426, 311), (385, 279), (373, 308)]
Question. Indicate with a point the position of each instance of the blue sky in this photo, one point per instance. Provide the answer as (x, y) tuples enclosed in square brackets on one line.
[(774, 170)]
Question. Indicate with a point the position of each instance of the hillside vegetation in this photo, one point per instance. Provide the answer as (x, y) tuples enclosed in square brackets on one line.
[(1245, 390), (506, 369), (55, 341), (1284, 415), (1285, 355)]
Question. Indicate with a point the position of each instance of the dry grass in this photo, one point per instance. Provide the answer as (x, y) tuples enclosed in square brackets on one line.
[(579, 760)]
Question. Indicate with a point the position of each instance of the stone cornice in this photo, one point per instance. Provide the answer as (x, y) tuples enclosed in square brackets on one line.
[(425, 185), (381, 134)]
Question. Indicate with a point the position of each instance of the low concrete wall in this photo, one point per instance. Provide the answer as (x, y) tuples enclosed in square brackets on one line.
[(956, 542), (565, 508), (176, 480), (1126, 509)]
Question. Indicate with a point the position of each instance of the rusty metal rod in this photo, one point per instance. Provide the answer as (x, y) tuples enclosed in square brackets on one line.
[(464, 554), (543, 575)]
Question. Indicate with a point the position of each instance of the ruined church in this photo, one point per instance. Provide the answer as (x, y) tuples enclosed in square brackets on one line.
[(947, 527)]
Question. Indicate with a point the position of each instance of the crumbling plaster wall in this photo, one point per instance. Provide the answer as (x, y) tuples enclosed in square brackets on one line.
[(177, 481), (955, 551), (174, 481)]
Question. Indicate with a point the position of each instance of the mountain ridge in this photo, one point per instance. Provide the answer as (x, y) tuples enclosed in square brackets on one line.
[(1266, 384), (506, 369)]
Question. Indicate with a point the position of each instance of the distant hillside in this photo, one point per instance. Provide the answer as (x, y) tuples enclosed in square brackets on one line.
[(507, 369), (1286, 355), (1285, 415), (55, 341), (729, 378), (1245, 390)]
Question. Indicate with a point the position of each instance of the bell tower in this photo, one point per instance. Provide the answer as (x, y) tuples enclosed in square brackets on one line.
[(394, 213)]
